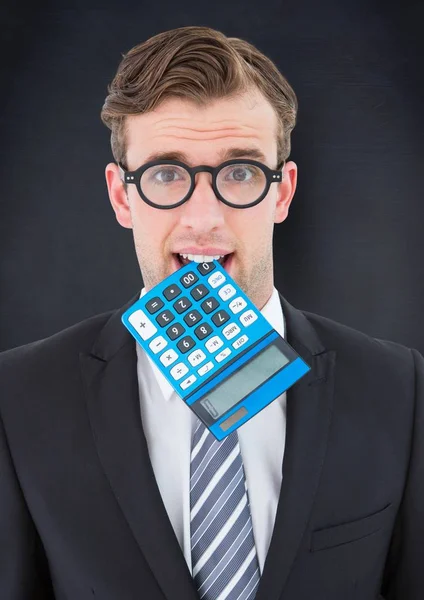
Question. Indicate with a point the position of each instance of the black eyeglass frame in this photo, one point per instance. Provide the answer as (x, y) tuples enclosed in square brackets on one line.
[(272, 176)]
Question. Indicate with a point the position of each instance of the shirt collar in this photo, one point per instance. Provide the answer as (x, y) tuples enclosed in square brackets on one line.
[(272, 311)]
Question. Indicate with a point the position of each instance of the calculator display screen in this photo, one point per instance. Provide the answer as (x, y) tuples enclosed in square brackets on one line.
[(242, 382)]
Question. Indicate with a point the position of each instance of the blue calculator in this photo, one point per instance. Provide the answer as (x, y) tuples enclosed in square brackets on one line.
[(213, 345)]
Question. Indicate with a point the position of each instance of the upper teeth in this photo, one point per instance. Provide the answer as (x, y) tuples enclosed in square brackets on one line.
[(202, 257)]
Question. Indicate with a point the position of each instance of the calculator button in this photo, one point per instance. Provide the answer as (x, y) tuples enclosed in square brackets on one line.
[(209, 305), (142, 324), (182, 304), (196, 357), (199, 291), (242, 340), (192, 317), (206, 368), (220, 317), (179, 371), (158, 344), (216, 279), (168, 357), (203, 331), (248, 317), (189, 279), (175, 331), (165, 317), (214, 344), (220, 357), (230, 331), (186, 344), (171, 292), (187, 382), (237, 305), (227, 291), (154, 305), (206, 267)]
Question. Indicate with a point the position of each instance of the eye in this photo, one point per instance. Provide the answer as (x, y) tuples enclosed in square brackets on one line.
[(164, 175), (167, 175), (240, 173)]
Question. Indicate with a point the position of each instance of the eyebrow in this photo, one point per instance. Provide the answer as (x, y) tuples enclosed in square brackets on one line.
[(226, 154)]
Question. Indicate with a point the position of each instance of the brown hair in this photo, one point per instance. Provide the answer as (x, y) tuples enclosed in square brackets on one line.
[(198, 64)]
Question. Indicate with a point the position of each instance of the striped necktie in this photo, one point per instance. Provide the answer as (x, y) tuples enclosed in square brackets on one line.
[(224, 561)]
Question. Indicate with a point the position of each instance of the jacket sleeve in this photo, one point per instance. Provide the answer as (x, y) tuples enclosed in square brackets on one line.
[(23, 566), (404, 572)]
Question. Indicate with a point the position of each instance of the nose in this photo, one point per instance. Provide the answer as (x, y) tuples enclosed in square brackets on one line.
[(203, 211)]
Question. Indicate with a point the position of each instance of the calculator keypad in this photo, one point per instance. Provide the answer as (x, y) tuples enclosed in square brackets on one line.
[(190, 304)]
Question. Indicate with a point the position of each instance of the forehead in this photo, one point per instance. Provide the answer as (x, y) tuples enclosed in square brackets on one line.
[(211, 134)]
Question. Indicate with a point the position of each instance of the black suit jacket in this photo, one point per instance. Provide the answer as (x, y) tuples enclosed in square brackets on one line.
[(81, 516)]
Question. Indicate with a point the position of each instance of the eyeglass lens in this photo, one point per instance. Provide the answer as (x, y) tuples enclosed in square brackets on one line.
[(239, 184)]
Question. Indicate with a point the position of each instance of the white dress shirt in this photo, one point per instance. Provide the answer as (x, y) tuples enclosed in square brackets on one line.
[(168, 426)]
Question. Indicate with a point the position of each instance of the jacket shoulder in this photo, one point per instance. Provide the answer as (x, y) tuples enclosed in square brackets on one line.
[(76, 338), (354, 342)]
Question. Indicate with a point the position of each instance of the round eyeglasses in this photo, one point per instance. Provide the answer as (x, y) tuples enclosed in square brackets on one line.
[(239, 183)]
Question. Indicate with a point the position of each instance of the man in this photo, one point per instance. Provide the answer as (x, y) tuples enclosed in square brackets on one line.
[(97, 452)]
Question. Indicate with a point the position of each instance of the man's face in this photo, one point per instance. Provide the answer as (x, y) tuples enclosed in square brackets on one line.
[(204, 224)]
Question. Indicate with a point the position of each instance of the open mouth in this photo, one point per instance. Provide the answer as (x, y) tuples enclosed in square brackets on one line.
[(224, 261)]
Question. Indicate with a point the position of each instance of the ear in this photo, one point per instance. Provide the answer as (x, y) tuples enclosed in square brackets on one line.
[(286, 190), (117, 195)]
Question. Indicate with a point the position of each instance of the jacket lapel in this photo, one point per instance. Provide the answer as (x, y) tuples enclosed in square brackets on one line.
[(110, 376), (309, 410)]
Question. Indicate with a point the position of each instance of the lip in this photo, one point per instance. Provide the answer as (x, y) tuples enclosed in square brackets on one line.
[(208, 251)]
